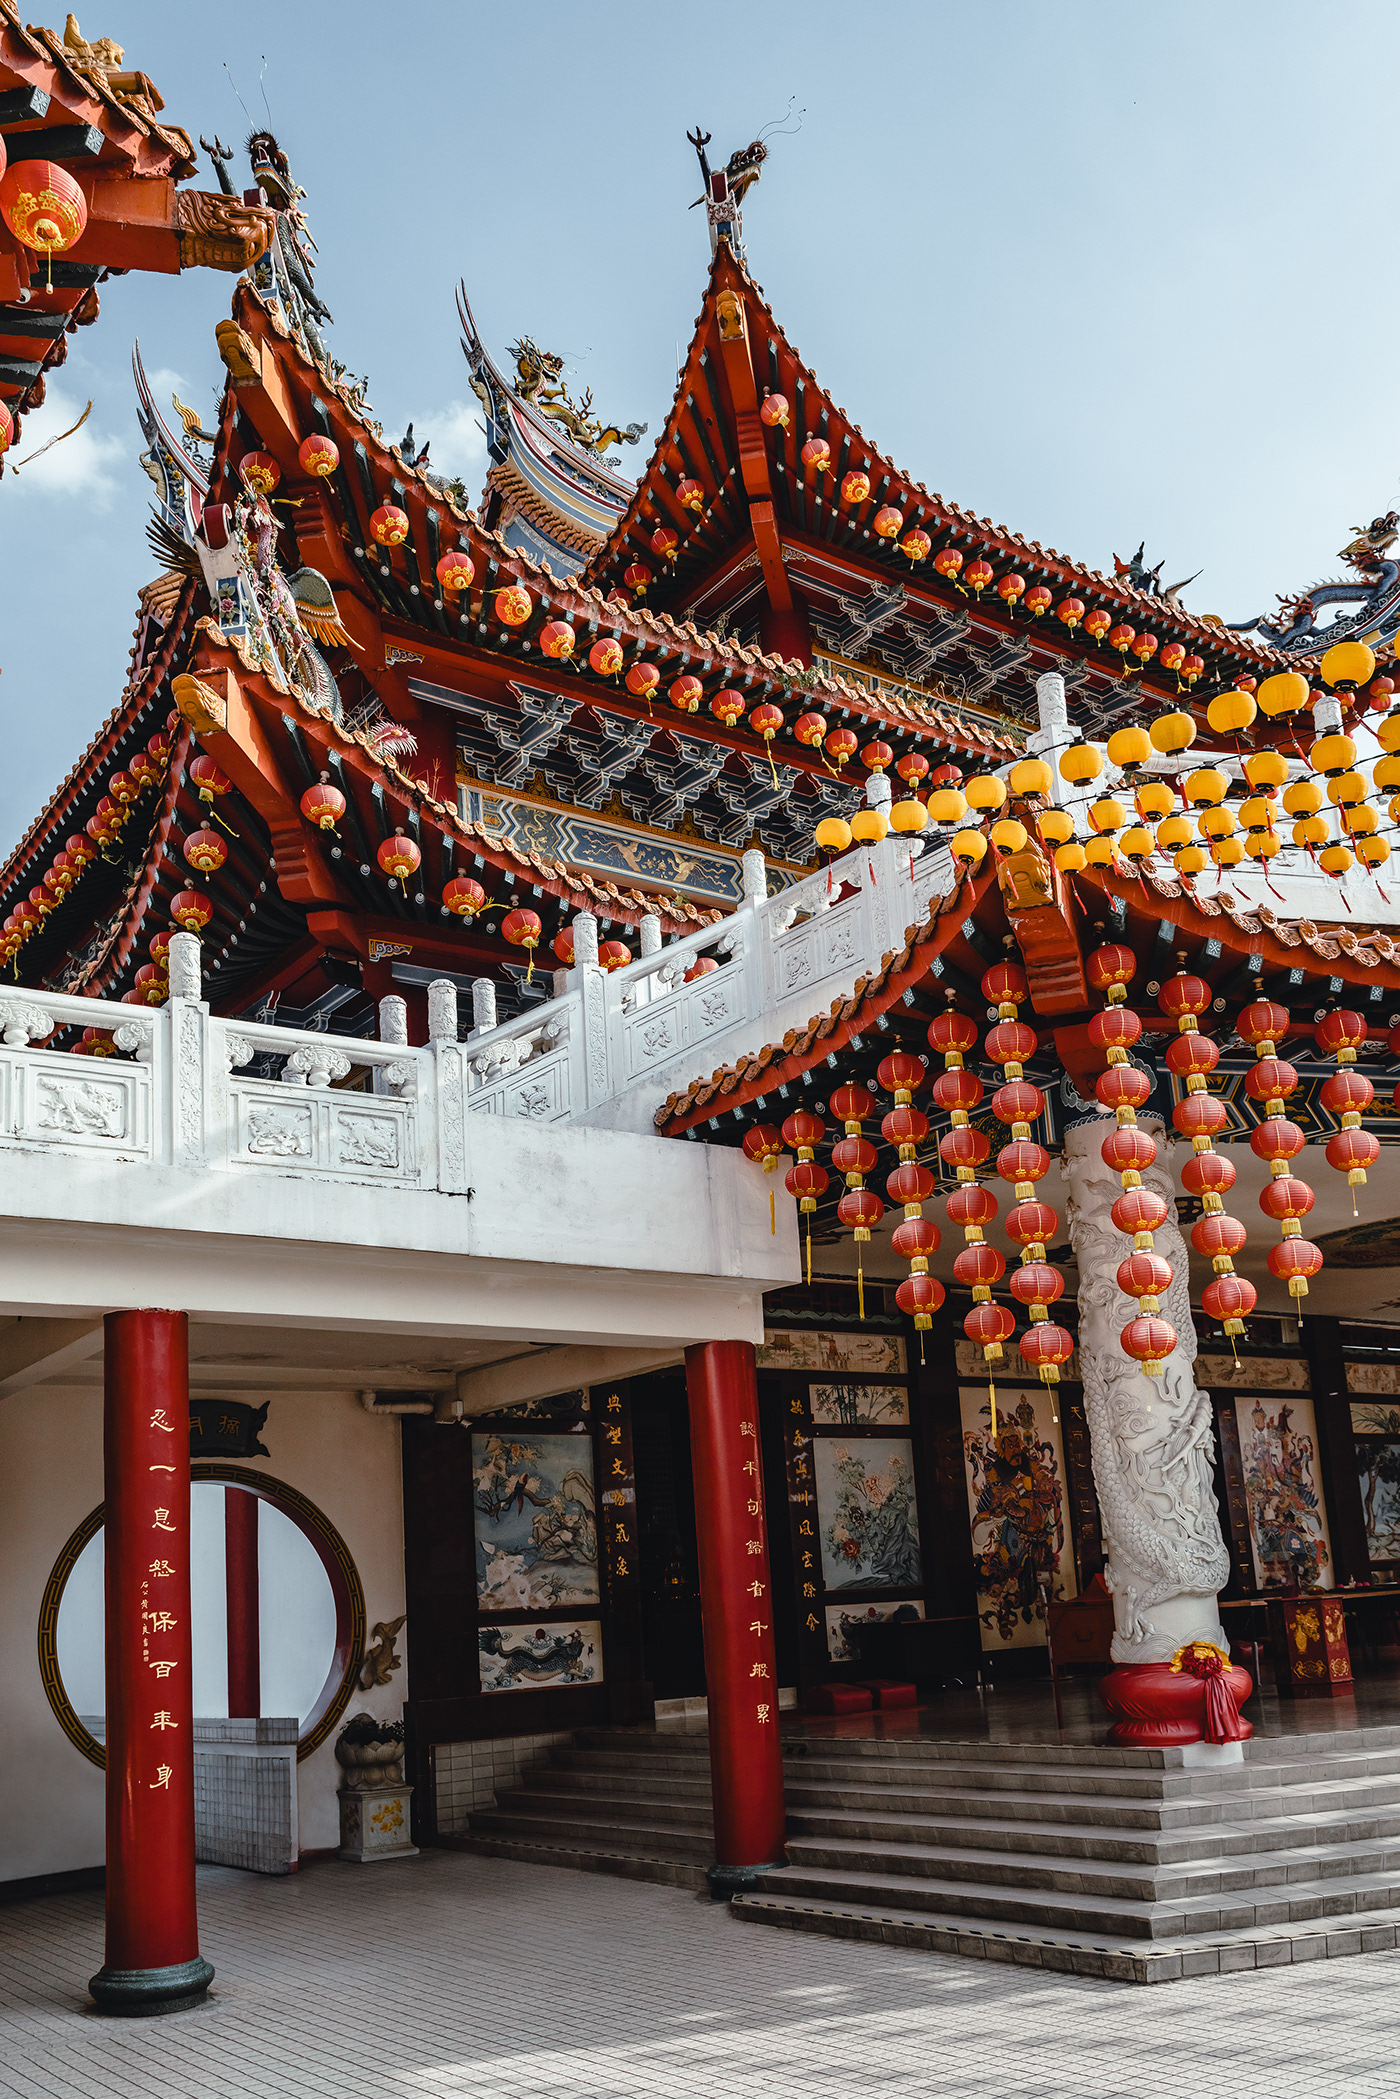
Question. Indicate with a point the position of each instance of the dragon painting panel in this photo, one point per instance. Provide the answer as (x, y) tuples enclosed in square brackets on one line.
[(542, 1657), (1377, 1431), (536, 1526), (1016, 1501)]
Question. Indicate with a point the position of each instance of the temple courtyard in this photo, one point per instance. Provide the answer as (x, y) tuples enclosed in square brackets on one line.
[(451, 1973)]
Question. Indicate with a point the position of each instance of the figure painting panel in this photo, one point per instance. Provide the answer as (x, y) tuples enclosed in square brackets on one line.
[(536, 1528), (801, 1348), (1283, 1487), (867, 1513), (541, 1657), (1016, 1500)]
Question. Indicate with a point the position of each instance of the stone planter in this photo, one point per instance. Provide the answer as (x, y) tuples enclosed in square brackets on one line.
[(370, 1763)]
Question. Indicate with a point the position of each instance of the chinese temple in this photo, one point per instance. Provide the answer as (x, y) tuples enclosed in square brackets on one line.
[(760, 1114)]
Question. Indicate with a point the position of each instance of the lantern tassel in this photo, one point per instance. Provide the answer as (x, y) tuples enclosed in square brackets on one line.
[(772, 768), (992, 1397), (809, 1249), (860, 1280), (772, 1213)]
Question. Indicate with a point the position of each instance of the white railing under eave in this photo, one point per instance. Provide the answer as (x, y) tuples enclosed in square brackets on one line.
[(608, 1046)]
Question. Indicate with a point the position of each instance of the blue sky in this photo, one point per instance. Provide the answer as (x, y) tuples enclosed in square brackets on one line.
[(1100, 273)]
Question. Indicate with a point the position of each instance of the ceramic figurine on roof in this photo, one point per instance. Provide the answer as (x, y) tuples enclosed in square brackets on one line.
[(1149, 580)]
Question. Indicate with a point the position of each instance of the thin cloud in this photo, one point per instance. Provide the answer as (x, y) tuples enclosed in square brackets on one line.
[(82, 465), (456, 441)]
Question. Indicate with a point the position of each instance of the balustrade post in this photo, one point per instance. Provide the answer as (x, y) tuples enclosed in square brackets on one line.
[(450, 1080), (442, 1010), (483, 1005), (754, 875), (592, 984), (650, 930), (188, 1021), (393, 1020)]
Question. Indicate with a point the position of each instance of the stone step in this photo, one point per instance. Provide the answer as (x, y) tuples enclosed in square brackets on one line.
[(904, 1795), (1068, 1952), (1085, 1910), (561, 1775), (1100, 1840), (658, 1741), (616, 1761), (647, 1805), (579, 1858), (639, 1838)]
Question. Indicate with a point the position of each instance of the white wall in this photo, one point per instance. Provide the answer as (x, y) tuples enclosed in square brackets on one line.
[(324, 1444)]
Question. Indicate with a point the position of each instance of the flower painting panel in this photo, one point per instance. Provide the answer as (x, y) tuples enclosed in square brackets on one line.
[(1016, 1500), (540, 1657), (1287, 1520), (536, 1533), (860, 1406), (798, 1348), (844, 1622), (866, 1509)]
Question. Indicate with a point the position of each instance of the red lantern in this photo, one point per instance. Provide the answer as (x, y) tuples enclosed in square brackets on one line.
[(1129, 1151), (906, 1129), (948, 563), (841, 745), (915, 546), (513, 605), (1145, 648), (261, 472), (1219, 1238), (854, 1105), (912, 768), (523, 929), (563, 946), (889, 522), (42, 205), (965, 1150), (1114, 1030), (151, 984), (1037, 1285), (1018, 1103), (556, 640), (1045, 1347), (1348, 1094), (728, 706), (642, 680), (1270, 1080), (399, 857), (1263, 1025), (464, 898), (205, 851), (1209, 1176), (810, 729), (700, 967), (1023, 1164), (1039, 600), (1140, 1212), (666, 541), (1230, 1299), (1149, 1340), (1293, 1261), (686, 693), (876, 756), (952, 1034), (690, 495), (1341, 1034), (808, 1182), (1111, 969), (1183, 998), (854, 1157), (212, 783), (973, 1208), (855, 487), (1146, 1277), (1033, 1225), (1004, 986), (902, 1075), (816, 455), (1351, 1152), (766, 721), (1009, 1044), (1124, 1088), (862, 1209), (637, 576), (1286, 1200), (123, 789), (1191, 1057), (775, 411), (1276, 1140), (979, 1266), (1010, 588), (977, 575), (1071, 612), (320, 456), (911, 1185), (915, 1240), (612, 954), (605, 658), (803, 1132), (1200, 1117), (79, 848), (988, 1325), (1097, 624), (389, 525), (191, 909), (919, 1297), (764, 1146)]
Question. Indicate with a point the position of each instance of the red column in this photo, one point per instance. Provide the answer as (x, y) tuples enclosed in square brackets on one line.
[(153, 1961), (241, 1585), (736, 1601)]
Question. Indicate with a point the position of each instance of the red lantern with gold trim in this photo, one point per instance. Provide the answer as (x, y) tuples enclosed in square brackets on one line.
[(965, 1150), (1111, 969), (855, 487), (978, 1267), (952, 1034), (887, 522), (192, 910), (842, 745), (987, 1326), (666, 541), (690, 495), (212, 783), (1294, 1261), (637, 576), (1341, 1035), (388, 525), (513, 605), (260, 472), (1045, 1347), (465, 898), (1230, 1299), (319, 456), (205, 851), (958, 1092), (523, 929), (774, 411), (811, 730), (816, 456), (1208, 1175), (42, 205), (686, 693), (728, 706), (911, 1185), (556, 639), (1033, 1226), (1149, 1340), (642, 680), (399, 857), (919, 1297), (605, 658)]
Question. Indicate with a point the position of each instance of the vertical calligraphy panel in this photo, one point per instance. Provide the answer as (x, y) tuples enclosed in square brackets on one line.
[(152, 1954), (628, 1699)]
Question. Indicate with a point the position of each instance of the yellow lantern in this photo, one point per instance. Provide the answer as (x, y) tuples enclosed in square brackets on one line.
[(1056, 826), (1070, 857), (1257, 814), (1129, 748), (1099, 852), (1385, 773), (1374, 851), (1173, 733), (1311, 832), (1265, 769), (1174, 831), (1227, 852), (1030, 776), (1190, 860), (1335, 860), (1303, 798), (1136, 843), (1216, 823), (947, 806), (1080, 764), (968, 848), (833, 834), (1284, 693), (869, 825), (1106, 815), (1388, 734), (985, 791), (1262, 845), (1206, 787), (908, 816), (1229, 712), (1393, 809), (1332, 754), (1348, 664), (1008, 836), (1154, 798), (1362, 819), (1346, 789)]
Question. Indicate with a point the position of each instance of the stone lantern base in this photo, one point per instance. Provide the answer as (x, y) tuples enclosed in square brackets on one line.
[(374, 1823)]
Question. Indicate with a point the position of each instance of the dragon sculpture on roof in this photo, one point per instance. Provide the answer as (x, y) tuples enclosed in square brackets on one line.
[(1373, 588)]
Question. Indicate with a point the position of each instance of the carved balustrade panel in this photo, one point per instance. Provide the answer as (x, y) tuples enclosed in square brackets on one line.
[(77, 1104), (539, 1088), (360, 1135)]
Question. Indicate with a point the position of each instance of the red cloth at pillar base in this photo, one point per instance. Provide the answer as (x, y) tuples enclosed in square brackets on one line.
[(888, 1695), (839, 1698), (1157, 1707)]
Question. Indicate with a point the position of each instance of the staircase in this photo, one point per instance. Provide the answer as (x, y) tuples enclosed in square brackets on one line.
[(1098, 1861)]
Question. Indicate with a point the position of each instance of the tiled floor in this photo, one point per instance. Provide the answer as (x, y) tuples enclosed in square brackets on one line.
[(450, 1974)]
